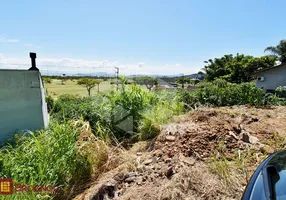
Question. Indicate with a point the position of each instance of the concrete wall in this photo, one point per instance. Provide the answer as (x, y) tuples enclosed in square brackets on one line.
[(22, 103), (273, 78)]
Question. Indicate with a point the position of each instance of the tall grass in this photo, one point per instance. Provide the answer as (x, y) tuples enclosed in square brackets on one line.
[(49, 157), (168, 106), (133, 107)]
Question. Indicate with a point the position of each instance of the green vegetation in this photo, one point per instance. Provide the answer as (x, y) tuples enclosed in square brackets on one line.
[(89, 84), (106, 111), (236, 69), (57, 156), (223, 93), (239, 68), (279, 50), (182, 81), (74, 148), (47, 80), (56, 89), (41, 158), (148, 81)]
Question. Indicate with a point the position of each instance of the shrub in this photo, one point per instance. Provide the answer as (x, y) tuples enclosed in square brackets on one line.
[(157, 115), (48, 157), (274, 100), (47, 80), (50, 103), (116, 114), (223, 93), (281, 91)]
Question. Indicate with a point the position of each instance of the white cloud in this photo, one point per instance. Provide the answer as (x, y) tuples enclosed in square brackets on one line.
[(70, 65), (4, 39), (141, 64)]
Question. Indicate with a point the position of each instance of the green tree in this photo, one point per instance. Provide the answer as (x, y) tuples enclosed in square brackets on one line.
[(89, 84), (63, 80), (279, 50), (236, 69), (182, 81), (194, 81), (148, 81), (47, 80), (98, 82)]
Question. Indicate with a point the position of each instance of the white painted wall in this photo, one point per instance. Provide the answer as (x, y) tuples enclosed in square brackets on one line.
[(273, 78), (22, 102)]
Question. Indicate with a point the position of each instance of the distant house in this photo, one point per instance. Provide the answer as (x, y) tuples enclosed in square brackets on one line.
[(271, 78)]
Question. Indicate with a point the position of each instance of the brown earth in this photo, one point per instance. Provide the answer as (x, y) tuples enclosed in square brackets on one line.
[(209, 153)]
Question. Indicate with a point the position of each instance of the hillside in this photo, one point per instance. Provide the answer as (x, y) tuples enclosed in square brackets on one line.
[(209, 153)]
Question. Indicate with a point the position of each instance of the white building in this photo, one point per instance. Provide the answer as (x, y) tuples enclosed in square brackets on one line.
[(22, 102)]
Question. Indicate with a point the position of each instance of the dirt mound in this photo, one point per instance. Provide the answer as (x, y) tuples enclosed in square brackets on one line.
[(207, 154), (201, 134)]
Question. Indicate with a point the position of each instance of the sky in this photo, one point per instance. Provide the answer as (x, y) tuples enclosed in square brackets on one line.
[(139, 36)]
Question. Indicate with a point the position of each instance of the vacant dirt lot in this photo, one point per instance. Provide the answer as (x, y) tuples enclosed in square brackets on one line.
[(209, 153)]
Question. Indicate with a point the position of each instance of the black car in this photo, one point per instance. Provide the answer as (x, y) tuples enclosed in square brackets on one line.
[(269, 180)]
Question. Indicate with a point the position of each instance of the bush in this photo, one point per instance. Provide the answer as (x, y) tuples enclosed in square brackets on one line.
[(50, 103), (223, 93), (115, 114), (47, 80), (157, 115), (48, 157), (274, 100), (281, 91)]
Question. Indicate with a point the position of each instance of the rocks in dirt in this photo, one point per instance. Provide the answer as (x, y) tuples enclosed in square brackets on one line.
[(170, 138), (166, 158), (169, 172), (249, 119), (105, 189), (119, 177), (131, 174), (266, 149), (247, 137), (130, 177), (148, 162), (139, 181), (187, 160), (158, 153), (232, 134)]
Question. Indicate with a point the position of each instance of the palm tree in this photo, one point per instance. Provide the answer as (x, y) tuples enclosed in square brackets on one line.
[(279, 50)]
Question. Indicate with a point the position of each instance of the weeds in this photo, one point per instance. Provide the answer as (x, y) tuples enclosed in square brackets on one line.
[(220, 166), (49, 157), (277, 142), (133, 112), (223, 93)]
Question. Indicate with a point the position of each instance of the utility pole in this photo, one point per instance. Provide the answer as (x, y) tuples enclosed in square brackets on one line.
[(183, 86), (117, 74)]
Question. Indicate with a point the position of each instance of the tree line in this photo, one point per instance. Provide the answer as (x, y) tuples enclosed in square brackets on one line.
[(239, 68)]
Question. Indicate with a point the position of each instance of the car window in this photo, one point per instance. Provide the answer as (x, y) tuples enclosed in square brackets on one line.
[(280, 185), (258, 192), (278, 179)]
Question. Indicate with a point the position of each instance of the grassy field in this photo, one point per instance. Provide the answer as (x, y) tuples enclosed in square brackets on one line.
[(56, 88)]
